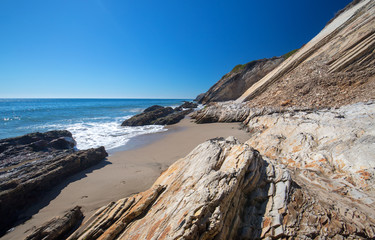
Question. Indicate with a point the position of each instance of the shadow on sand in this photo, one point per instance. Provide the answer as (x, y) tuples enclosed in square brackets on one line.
[(47, 196)]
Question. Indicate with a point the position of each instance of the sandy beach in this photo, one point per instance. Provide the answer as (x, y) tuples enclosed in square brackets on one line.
[(132, 170)]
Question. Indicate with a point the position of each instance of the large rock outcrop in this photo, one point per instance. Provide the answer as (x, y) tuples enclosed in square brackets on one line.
[(233, 84), (330, 155), (221, 190), (311, 177), (33, 164), (336, 68)]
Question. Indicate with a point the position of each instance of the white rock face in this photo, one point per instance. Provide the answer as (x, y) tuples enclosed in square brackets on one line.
[(221, 190), (330, 156)]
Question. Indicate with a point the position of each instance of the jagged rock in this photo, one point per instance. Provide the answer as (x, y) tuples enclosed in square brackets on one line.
[(312, 177), (31, 146), (233, 84), (33, 164), (218, 191), (158, 115), (57, 227), (330, 155)]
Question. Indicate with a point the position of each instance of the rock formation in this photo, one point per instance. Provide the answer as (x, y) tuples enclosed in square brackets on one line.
[(222, 112), (158, 115), (312, 176), (307, 170), (233, 84), (336, 68), (33, 164), (221, 190), (58, 227)]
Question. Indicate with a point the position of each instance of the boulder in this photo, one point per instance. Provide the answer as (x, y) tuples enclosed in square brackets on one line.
[(158, 115), (153, 108)]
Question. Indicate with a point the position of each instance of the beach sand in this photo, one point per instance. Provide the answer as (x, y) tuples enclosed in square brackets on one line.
[(132, 170)]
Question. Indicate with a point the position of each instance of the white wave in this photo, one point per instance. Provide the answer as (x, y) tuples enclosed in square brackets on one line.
[(136, 110), (11, 119), (108, 134)]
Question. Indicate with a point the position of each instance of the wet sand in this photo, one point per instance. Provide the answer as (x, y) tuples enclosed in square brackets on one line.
[(132, 170)]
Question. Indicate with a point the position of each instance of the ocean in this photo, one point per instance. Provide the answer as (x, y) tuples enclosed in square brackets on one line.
[(93, 122)]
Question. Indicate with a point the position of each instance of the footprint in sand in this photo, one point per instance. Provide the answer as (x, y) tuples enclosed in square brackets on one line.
[(84, 197)]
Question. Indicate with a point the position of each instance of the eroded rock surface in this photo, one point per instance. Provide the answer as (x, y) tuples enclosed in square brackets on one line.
[(227, 190), (34, 163), (58, 227), (330, 154), (221, 190), (222, 112)]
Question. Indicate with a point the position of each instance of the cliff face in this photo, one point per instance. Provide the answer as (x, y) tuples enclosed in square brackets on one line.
[(337, 67), (233, 84)]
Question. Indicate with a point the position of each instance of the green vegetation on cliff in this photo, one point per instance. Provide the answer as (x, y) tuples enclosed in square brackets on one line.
[(287, 55)]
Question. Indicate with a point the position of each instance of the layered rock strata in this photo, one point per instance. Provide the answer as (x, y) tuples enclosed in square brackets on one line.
[(58, 227), (330, 155), (222, 112), (233, 84), (311, 177), (336, 68), (33, 164), (158, 115), (221, 190)]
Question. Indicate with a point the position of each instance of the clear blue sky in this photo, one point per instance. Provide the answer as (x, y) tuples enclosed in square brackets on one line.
[(150, 49)]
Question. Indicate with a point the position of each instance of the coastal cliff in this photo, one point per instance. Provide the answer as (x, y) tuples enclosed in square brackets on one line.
[(233, 84), (336, 68)]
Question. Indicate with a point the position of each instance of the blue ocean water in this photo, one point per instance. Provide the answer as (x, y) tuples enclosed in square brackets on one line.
[(93, 122)]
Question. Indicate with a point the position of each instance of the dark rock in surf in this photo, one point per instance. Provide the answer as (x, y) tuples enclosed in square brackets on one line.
[(158, 115), (34, 163)]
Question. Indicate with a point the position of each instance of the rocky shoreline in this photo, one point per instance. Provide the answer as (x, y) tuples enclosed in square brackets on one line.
[(306, 170), (310, 175), (32, 164)]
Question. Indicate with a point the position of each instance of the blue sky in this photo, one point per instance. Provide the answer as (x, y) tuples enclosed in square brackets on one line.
[(144, 49)]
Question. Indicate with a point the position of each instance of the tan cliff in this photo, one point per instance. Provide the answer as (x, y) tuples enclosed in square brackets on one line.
[(335, 68)]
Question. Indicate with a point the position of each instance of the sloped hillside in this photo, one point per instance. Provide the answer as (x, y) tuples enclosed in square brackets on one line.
[(233, 84), (335, 68)]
